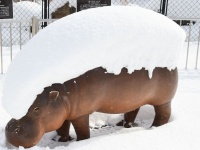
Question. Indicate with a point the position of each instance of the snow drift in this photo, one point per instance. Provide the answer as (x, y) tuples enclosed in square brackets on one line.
[(111, 37)]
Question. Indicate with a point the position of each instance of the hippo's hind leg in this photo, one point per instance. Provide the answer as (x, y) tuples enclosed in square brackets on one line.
[(162, 114), (129, 118), (81, 126), (63, 131)]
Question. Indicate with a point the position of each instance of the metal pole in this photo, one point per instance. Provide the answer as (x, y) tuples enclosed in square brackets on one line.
[(163, 7), (29, 30), (20, 35), (48, 9), (161, 3), (1, 50), (197, 51), (188, 47), (166, 8), (11, 41), (45, 11), (42, 13)]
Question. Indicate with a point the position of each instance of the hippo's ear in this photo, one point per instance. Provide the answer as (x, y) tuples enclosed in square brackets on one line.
[(53, 95)]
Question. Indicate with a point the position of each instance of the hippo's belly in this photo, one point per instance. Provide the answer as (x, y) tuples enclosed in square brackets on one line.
[(124, 98)]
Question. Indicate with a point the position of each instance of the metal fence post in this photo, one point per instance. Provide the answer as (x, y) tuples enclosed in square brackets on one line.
[(30, 29), (188, 46), (11, 42), (20, 35), (45, 14), (1, 50), (163, 7), (197, 55)]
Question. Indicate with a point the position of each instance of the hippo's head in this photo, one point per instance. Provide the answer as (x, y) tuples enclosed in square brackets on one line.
[(47, 113)]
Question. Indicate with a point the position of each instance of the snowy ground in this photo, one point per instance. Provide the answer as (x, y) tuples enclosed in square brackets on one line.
[(182, 132)]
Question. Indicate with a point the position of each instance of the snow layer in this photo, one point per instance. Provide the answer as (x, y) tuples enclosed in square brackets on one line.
[(112, 37)]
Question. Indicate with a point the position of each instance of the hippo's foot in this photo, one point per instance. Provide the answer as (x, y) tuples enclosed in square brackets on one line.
[(130, 124), (62, 138), (65, 139), (121, 123), (127, 124)]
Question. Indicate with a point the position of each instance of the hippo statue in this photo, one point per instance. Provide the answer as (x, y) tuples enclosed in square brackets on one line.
[(96, 90)]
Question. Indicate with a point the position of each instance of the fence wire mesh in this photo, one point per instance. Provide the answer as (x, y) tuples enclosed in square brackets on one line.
[(27, 9), (15, 33)]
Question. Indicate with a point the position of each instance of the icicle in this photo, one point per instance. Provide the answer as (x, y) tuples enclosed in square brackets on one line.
[(150, 71)]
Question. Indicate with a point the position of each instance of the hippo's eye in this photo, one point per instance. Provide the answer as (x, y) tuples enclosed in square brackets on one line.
[(36, 110)]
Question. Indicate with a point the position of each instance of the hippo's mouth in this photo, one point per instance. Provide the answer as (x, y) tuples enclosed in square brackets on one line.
[(22, 134)]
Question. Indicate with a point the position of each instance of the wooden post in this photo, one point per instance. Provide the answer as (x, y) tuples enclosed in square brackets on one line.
[(35, 25)]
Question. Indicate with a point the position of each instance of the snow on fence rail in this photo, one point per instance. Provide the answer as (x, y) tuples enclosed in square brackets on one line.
[(191, 25)]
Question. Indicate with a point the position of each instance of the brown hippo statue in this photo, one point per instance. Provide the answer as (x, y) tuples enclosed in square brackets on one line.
[(96, 90)]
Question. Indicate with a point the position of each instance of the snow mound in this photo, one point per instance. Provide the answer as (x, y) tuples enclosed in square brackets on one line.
[(112, 37)]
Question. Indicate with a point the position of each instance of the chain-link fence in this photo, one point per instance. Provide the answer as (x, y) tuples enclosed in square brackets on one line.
[(26, 9)]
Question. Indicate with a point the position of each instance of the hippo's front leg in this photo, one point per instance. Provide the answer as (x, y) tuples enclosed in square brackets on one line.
[(63, 131), (81, 126)]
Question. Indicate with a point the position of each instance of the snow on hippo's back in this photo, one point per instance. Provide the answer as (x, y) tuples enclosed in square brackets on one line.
[(111, 37)]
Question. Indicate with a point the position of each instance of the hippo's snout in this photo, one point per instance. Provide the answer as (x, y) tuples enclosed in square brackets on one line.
[(9, 125), (23, 132), (14, 127)]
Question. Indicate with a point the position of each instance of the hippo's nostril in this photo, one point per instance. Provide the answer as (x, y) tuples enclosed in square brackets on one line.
[(17, 130)]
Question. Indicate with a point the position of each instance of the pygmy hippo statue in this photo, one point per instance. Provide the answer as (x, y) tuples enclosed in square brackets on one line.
[(96, 90)]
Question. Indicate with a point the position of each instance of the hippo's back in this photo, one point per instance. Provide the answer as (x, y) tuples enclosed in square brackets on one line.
[(109, 93)]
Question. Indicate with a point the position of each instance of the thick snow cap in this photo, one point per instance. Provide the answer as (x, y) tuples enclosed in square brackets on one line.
[(112, 37)]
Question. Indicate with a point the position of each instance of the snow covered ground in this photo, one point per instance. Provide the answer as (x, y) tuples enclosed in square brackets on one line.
[(182, 132)]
